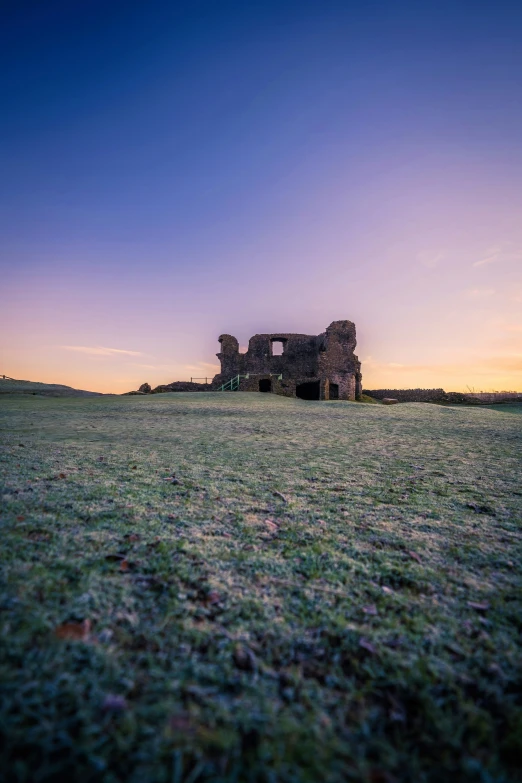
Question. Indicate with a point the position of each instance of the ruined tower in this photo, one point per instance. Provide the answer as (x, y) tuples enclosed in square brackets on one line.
[(322, 367)]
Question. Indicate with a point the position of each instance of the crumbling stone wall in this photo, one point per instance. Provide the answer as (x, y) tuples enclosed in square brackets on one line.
[(441, 396), (271, 383), (182, 386), (488, 398), (311, 366), (409, 395), (175, 386)]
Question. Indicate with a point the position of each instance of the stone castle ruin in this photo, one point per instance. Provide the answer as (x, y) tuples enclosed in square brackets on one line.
[(322, 367)]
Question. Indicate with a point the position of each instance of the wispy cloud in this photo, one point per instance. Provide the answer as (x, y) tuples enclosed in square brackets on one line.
[(487, 260), (167, 367), (511, 362), (206, 366), (480, 293), (430, 260), (99, 350), (494, 255)]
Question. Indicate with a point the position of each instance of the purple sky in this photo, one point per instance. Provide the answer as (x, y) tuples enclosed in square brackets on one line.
[(172, 171)]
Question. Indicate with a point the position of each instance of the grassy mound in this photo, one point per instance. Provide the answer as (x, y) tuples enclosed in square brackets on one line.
[(43, 389), (367, 398), (242, 587)]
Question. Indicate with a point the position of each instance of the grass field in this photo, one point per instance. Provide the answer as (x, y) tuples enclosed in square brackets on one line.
[(242, 587)]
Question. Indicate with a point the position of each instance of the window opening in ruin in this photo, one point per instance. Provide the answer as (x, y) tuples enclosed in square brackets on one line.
[(334, 391), (265, 385), (308, 391), (278, 347)]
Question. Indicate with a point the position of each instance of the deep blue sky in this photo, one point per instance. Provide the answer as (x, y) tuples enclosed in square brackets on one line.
[(195, 167)]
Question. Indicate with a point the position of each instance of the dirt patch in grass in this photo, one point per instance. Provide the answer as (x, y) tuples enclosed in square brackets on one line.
[(240, 587)]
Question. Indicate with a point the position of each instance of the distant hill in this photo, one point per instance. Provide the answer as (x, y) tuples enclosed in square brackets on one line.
[(10, 386)]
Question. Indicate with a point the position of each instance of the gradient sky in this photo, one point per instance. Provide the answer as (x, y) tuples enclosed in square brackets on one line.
[(174, 170)]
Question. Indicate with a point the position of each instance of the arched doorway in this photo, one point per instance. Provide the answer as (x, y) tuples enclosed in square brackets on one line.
[(308, 391), (265, 385)]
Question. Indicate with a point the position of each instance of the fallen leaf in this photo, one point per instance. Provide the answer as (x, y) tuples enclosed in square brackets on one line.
[(124, 565), (387, 590), (271, 525), (481, 606), (280, 495), (395, 642), (63, 475), (134, 537), (134, 467), (20, 518), (463, 678), (480, 508), (181, 724), (455, 649), (381, 776), (321, 522), (74, 632), (114, 703), (415, 556), (324, 720), (397, 716), (367, 645), (105, 635), (370, 609), (213, 597), (244, 658)]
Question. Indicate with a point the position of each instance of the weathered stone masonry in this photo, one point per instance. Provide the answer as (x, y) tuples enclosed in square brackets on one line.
[(322, 367)]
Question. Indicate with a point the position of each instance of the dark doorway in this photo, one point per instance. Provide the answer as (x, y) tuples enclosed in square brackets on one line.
[(334, 391), (265, 385), (308, 391)]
